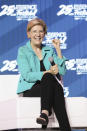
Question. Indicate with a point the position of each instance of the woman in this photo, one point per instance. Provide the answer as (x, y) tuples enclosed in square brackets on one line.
[(37, 72)]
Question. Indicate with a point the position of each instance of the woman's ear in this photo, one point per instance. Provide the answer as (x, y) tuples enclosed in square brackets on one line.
[(28, 34)]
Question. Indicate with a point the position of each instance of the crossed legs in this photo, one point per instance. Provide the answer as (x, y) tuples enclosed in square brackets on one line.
[(52, 96)]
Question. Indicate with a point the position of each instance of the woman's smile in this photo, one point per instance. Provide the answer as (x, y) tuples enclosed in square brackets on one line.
[(36, 35)]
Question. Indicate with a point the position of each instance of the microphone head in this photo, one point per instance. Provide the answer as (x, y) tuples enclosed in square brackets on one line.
[(51, 59)]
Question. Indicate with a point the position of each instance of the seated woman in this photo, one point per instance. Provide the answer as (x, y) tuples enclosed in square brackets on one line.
[(37, 71)]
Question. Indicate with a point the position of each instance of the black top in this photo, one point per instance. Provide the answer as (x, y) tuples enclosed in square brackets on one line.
[(42, 67)]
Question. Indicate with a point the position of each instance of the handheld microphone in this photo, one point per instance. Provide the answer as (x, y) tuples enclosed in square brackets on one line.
[(53, 63)]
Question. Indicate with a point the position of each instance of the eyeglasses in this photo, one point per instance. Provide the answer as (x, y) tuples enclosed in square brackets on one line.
[(38, 32)]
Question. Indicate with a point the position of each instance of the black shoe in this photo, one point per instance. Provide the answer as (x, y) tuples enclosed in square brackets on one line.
[(43, 121), (44, 126)]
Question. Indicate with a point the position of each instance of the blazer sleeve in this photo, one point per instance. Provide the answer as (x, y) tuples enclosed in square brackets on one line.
[(60, 62), (24, 68)]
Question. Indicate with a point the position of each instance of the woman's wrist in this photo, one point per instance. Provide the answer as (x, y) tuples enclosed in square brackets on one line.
[(58, 50), (46, 72)]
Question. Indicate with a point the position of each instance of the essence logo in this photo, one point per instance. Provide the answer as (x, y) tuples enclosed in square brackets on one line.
[(62, 36), (78, 11), (78, 65), (9, 66), (22, 12)]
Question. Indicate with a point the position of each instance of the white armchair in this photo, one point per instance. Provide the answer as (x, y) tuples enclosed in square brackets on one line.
[(21, 112)]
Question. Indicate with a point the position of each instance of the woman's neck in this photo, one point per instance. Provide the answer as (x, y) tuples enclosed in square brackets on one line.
[(37, 50), (36, 47)]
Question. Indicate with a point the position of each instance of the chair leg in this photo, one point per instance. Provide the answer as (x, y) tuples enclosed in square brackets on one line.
[(44, 126)]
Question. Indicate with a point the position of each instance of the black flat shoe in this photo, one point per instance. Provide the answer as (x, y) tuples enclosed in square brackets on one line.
[(43, 119), (44, 126)]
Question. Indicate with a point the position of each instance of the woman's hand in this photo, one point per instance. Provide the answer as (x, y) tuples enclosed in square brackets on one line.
[(54, 69), (56, 43)]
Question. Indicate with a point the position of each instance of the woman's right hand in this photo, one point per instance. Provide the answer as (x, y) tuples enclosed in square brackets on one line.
[(49, 71), (53, 70)]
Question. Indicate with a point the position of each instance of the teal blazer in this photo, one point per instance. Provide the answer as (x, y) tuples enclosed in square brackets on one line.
[(29, 65)]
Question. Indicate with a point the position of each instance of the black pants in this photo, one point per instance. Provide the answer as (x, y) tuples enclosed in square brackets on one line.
[(52, 96)]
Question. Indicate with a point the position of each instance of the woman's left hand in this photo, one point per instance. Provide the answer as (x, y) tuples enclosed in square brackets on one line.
[(56, 43), (54, 69)]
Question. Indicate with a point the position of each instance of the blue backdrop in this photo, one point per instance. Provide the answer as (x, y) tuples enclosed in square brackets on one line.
[(65, 19)]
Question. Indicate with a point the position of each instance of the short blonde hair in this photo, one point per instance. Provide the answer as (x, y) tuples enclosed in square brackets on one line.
[(37, 21)]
